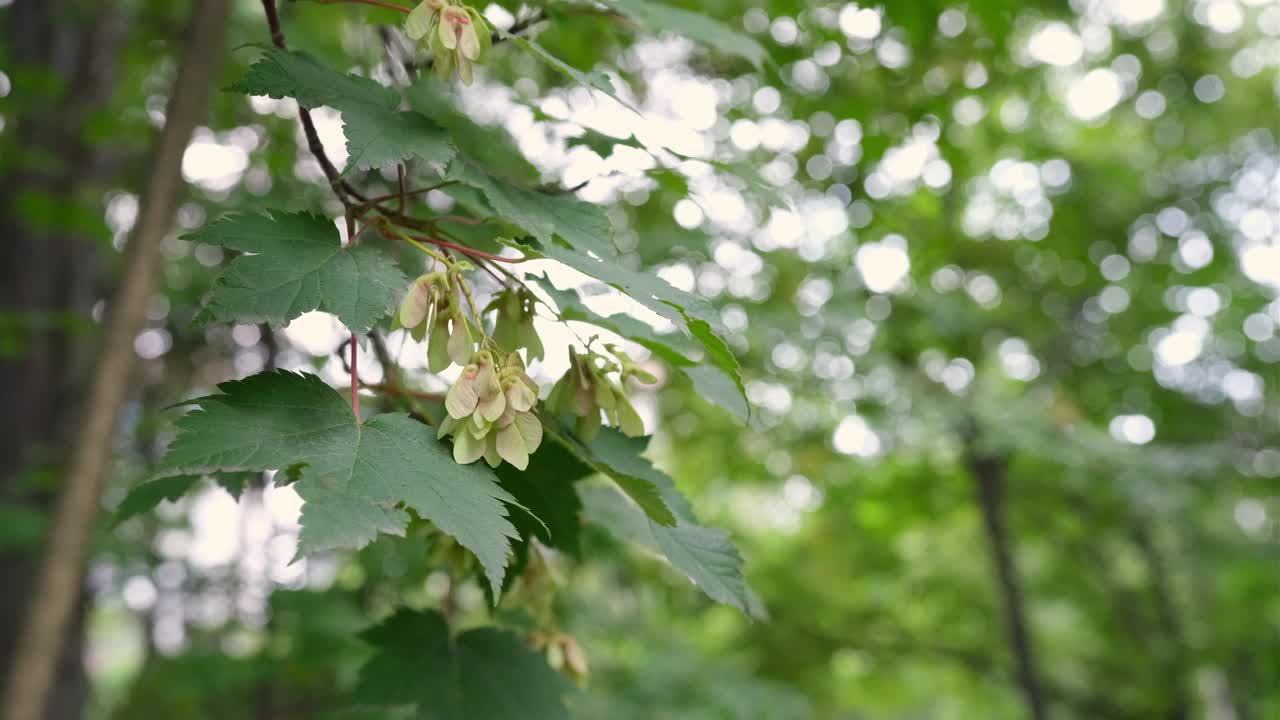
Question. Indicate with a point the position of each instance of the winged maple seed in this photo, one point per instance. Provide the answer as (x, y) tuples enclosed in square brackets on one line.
[(456, 34)]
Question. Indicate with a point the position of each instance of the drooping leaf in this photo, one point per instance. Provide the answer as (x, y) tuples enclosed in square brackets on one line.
[(689, 312), (145, 497), (583, 225), (717, 388), (705, 555), (720, 384), (546, 489), (235, 482), (482, 674), (674, 348), (595, 80), (355, 477), (696, 26), (647, 289), (296, 263), (377, 130), (720, 356), (643, 490), (490, 146)]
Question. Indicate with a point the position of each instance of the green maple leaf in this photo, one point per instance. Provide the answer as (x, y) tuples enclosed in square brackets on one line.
[(296, 264), (357, 478), (705, 555), (583, 225), (695, 26), (482, 674), (672, 347), (145, 497), (595, 79), (642, 490), (688, 312), (377, 130), (546, 489)]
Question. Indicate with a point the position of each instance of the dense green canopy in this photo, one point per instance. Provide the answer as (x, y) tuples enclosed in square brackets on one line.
[(999, 281)]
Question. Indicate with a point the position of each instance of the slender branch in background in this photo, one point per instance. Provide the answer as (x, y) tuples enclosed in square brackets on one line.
[(58, 589), (370, 203), (1170, 623), (989, 474), (390, 368), (406, 392), (459, 219)]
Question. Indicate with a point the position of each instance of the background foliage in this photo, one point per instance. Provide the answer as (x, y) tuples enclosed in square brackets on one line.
[(986, 260)]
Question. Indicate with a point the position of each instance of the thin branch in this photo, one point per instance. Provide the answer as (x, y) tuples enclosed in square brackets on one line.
[(989, 475), (343, 189), (373, 202), (395, 390), (375, 3), (407, 392), (469, 251), (459, 219)]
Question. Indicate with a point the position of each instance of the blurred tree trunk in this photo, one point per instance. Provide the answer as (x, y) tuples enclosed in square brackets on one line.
[(989, 477), (48, 280), (48, 274)]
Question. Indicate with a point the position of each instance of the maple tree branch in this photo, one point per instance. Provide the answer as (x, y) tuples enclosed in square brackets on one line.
[(343, 189), (406, 392), (459, 219), (375, 202), (375, 3), (468, 251)]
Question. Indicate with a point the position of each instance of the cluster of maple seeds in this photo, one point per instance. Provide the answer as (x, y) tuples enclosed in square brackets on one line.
[(491, 404), (432, 311), (587, 390), (491, 412)]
